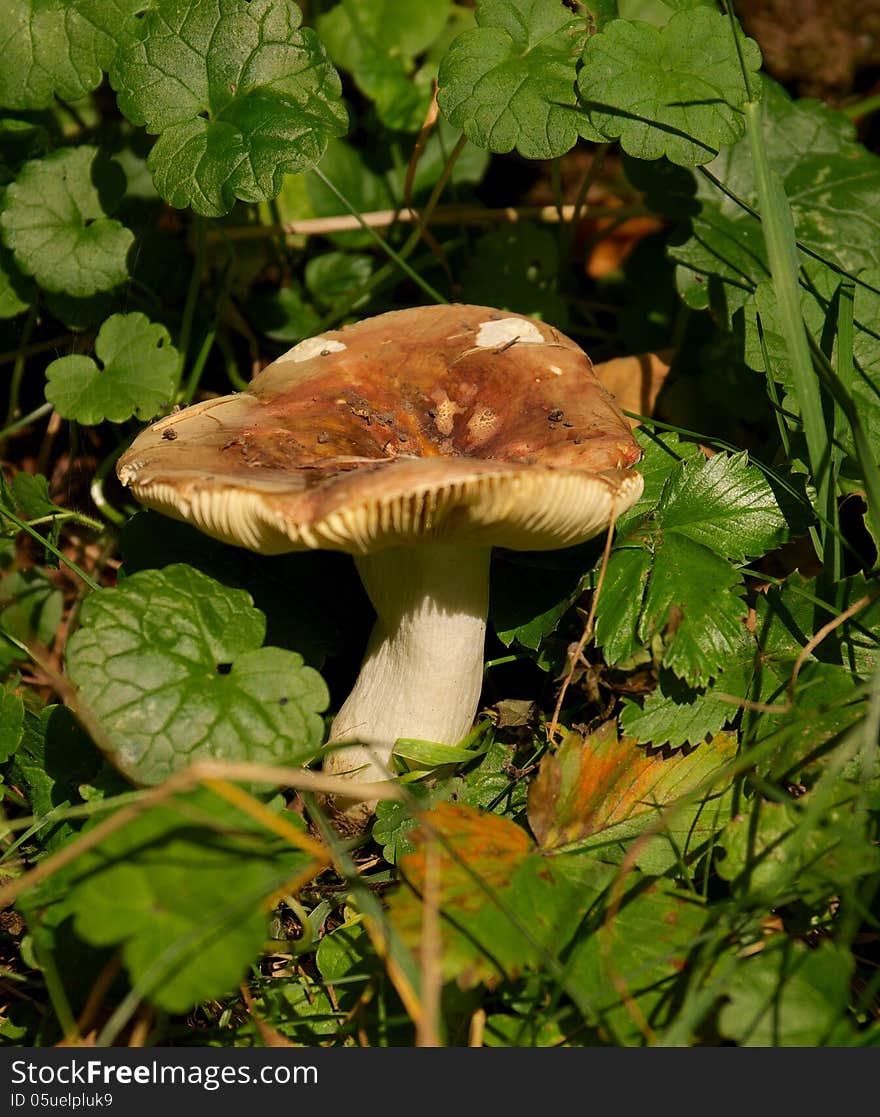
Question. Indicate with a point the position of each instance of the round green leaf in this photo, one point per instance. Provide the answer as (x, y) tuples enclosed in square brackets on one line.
[(159, 888), (675, 91), (16, 290), (170, 665), (137, 377), (56, 222), (511, 81), (237, 93), (54, 48)]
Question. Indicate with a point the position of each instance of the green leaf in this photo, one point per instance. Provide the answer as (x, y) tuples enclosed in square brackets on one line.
[(57, 222), (527, 618), (333, 275), (56, 766), (620, 604), (160, 888), (16, 290), (676, 714), (510, 82), (694, 601), (11, 724), (670, 582), (662, 454), (725, 504), (22, 140), (30, 609), (637, 961), (31, 492), (238, 95), (170, 665), (59, 49), (377, 43), (779, 849), (136, 376), (675, 91), (591, 785), (525, 904), (788, 995), (833, 187)]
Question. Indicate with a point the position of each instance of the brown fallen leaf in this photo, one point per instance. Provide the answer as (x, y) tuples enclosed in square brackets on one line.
[(636, 381)]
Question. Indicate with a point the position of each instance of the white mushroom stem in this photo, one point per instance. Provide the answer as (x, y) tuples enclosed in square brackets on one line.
[(423, 669)]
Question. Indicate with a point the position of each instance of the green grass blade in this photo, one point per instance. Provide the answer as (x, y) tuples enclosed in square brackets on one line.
[(779, 238)]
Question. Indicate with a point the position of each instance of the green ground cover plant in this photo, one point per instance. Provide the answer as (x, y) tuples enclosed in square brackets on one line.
[(663, 827)]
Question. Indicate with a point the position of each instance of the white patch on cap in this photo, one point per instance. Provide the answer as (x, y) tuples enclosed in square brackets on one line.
[(555, 369), (313, 347), (504, 331)]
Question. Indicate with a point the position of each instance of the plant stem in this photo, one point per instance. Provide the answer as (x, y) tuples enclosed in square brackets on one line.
[(20, 362), (26, 420), (189, 307)]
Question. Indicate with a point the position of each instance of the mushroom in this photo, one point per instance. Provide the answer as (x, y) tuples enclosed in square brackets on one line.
[(417, 441)]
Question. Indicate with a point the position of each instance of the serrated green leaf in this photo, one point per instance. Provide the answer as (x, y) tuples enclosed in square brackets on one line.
[(160, 889), (11, 724), (725, 504), (675, 91), (31, 492), (662, 454), (238, 94), (510, 82), (136, 376), (833, 187), (526, 618), (676, 714), (58, 49), (788, 995), (693, 600), (57, 224), (170, 665), (620, 604)]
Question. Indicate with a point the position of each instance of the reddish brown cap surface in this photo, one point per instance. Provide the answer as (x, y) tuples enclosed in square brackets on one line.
[(448, 422)]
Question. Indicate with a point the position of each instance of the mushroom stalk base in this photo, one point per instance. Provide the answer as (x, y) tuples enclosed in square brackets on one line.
[(422, 673)]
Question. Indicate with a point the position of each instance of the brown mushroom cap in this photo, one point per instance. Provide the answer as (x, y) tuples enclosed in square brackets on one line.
[(447, 422)]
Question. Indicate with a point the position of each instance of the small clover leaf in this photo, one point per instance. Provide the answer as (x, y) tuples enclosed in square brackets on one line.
[(170, 665), (237, 93), (675, 91), (61, 49), (137, 376), (511, 81), (57, 222)]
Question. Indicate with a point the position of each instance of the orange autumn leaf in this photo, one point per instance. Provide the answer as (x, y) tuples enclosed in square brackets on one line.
[(587, 786)]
